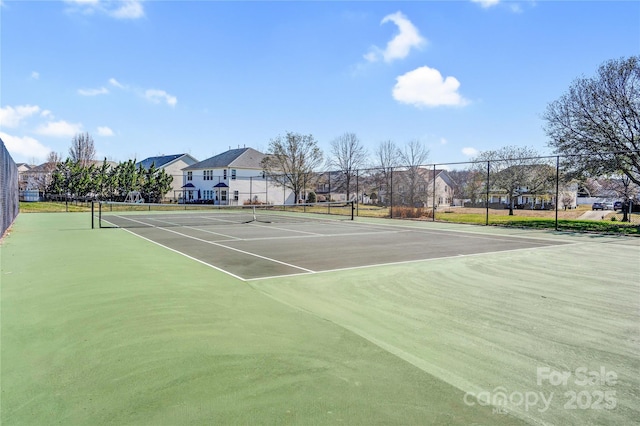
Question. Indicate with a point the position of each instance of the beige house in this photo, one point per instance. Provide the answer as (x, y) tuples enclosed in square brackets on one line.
[(172, 165)]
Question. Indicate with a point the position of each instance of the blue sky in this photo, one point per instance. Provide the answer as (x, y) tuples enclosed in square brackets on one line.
[(146, 78)]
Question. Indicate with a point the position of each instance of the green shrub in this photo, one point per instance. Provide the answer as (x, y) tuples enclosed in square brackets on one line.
[(311, 197)]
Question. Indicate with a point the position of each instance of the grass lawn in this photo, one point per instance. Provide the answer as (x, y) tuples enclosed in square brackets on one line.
[(53, 207)]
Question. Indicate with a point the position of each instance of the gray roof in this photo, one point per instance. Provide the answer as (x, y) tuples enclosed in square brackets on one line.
[(241, 158), (160, 161)]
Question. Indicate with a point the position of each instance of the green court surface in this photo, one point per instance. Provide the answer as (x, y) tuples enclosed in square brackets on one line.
[(105, 327)]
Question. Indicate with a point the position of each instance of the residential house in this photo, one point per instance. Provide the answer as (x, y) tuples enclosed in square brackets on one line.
[(421, 187), (172, 165), (34, 180), (527, 187), (234, 177), (408, 187), (23, 181)]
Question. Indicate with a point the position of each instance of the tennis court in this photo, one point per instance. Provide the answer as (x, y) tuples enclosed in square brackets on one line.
[(265, 244), (173, 319)]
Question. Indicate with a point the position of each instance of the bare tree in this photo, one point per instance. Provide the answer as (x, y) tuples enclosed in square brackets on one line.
[(413, 156), (291, 161), (348, 155), (622, 186), (515, 170), (598, 119), (387, 156), (54, 158), (469, 185), (82, 150)]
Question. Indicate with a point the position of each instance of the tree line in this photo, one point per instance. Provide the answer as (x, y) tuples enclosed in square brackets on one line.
[(80, 177)]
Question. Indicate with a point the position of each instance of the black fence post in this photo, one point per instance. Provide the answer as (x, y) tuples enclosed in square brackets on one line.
[(487, 195), (557, 187), (434, 193), (391, 194)]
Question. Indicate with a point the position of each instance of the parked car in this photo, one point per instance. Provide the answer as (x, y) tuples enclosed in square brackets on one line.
[(608, 205), (617, 205), (597, 206)]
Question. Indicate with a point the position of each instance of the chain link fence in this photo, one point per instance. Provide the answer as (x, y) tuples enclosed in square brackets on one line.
[(540, 192), (9, 204)]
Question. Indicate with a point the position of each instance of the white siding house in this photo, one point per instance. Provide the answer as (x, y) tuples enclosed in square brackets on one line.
[(234, 177)]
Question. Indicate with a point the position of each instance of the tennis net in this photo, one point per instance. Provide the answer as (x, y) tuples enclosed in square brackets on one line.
[(109, 214)]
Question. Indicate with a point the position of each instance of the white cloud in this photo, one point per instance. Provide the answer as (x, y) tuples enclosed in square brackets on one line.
[(121, 9), (59, 129), (116, 83), (425, 86), (25, 147), (486, 3), (470, 152), (13, 117), (157, 96), (130, 9), (105, 131), (47, 114), (35, 75), (93, 92), (398, 47)]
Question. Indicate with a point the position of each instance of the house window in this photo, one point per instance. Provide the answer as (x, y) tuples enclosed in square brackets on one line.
[(189, 176), (223, 195), (233, 174), (224, 174), (208, 175), (236, 194)]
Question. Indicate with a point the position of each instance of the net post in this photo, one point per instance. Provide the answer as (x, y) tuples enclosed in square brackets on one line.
[(353, 209), (99, 215), (92, 214)]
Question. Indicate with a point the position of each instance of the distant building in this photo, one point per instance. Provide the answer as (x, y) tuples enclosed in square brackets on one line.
[(172, 165), (234, 177)]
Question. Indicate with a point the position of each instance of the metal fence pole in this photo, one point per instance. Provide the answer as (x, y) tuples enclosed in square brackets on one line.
[(357, 190), (391, 193), (434, 193), (487, 199), (557, 187)]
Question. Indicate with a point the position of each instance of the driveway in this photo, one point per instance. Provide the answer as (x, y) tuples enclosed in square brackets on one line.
[(595, 214)]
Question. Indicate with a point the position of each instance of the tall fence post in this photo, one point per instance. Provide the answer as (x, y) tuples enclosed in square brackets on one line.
[(357, 191), (557, 187), (434, 194), (487, 195), (391, 193)]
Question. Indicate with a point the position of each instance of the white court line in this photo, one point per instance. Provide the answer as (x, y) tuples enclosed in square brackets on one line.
[(284, 229), (223, 246), (403, 228), (352, 234), (194, 228), (402, 262), (185, 255), (466, 233)]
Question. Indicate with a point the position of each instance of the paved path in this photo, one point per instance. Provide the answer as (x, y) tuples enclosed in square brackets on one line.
[(595, 214)]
